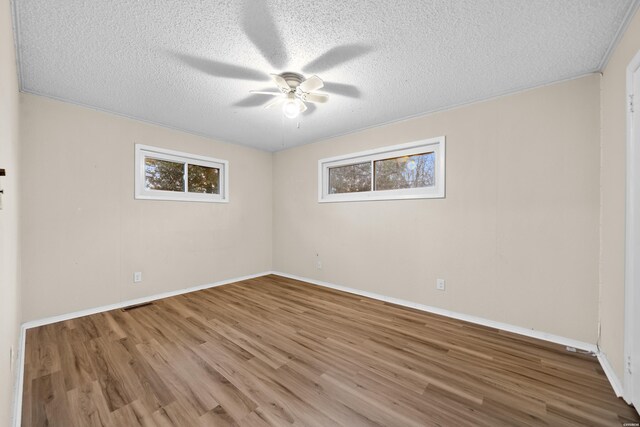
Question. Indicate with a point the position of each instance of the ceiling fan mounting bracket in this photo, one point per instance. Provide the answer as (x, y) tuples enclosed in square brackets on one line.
[(293, 79)]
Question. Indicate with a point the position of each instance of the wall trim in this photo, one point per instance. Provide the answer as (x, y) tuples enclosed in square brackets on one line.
[(570, 342), (628, 17), (631, 255), (463, 104), (611, 375), (19, 381), (73, 315), (17, 410)]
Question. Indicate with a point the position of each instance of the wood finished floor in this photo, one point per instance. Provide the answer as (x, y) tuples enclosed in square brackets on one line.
[(275, 351)]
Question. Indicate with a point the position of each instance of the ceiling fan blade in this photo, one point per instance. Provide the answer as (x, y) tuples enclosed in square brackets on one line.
[(275, 102), (301, 105), (311, 84), (319, 98), (281, 83), (264, 92)]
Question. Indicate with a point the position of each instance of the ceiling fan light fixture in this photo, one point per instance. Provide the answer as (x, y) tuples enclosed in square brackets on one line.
[(291, 108), (295, 91)]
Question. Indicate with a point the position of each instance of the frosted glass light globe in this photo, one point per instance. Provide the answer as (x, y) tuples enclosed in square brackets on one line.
[(291, 109)]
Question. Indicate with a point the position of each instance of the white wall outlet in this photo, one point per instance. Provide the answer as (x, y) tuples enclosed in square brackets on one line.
[(137, 277), (319, 264), (440, 284)]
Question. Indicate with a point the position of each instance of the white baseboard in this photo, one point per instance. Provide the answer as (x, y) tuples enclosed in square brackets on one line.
[(141, 300), (455, 315), (611, 376), (19, 381), (592, 348), (17, 410)]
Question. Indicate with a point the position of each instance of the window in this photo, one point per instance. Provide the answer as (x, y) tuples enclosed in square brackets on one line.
[(407, 171), (171, 175)]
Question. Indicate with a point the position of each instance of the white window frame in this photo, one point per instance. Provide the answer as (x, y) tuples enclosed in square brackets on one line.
[(437, 145), (142, 193)]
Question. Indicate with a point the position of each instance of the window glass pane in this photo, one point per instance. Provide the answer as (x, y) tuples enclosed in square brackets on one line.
[(203, 179), (413, 171), (163, 175), (350, 178)]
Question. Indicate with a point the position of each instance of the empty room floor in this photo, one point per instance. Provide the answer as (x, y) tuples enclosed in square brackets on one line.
[(276, 351)]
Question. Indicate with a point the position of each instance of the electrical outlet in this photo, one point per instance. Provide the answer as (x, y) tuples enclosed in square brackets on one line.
[(319, 264), (440, 284), (137, 277)]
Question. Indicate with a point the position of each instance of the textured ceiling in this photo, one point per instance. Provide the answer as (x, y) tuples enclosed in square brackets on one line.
[(190, 64)]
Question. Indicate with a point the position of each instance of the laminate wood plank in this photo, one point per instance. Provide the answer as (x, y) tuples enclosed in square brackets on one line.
[(57, 408), (130, 324), (166, 363), (113, 373), (381, 411), (232, 399), (174, 414), (42, 358), (87, 405), (85, 327), (218, 417), (270, 405), (258, 419), (439, 407), (302, 411), (113, 330), (274, 351), (270, 356), (131, 415), (74, 360), (155, 389), (41, 394), (301, 378)]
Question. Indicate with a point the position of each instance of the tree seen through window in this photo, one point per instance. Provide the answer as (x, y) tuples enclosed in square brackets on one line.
[(413, 171)]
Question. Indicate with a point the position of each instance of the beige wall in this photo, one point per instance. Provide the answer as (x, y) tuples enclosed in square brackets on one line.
[(9, 260), (516, 237), (84, 235), (612, 178)]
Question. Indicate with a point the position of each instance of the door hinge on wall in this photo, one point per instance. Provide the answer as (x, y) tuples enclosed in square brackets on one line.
[(631, 103), (629, 364)]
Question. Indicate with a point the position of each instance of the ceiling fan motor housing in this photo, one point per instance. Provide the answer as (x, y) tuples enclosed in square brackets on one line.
[(293, 79)]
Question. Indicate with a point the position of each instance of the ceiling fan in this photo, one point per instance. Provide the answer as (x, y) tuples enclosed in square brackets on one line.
[(294, 91)]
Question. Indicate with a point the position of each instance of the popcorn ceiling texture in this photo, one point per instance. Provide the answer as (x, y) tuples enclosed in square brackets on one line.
[(190, 64)]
